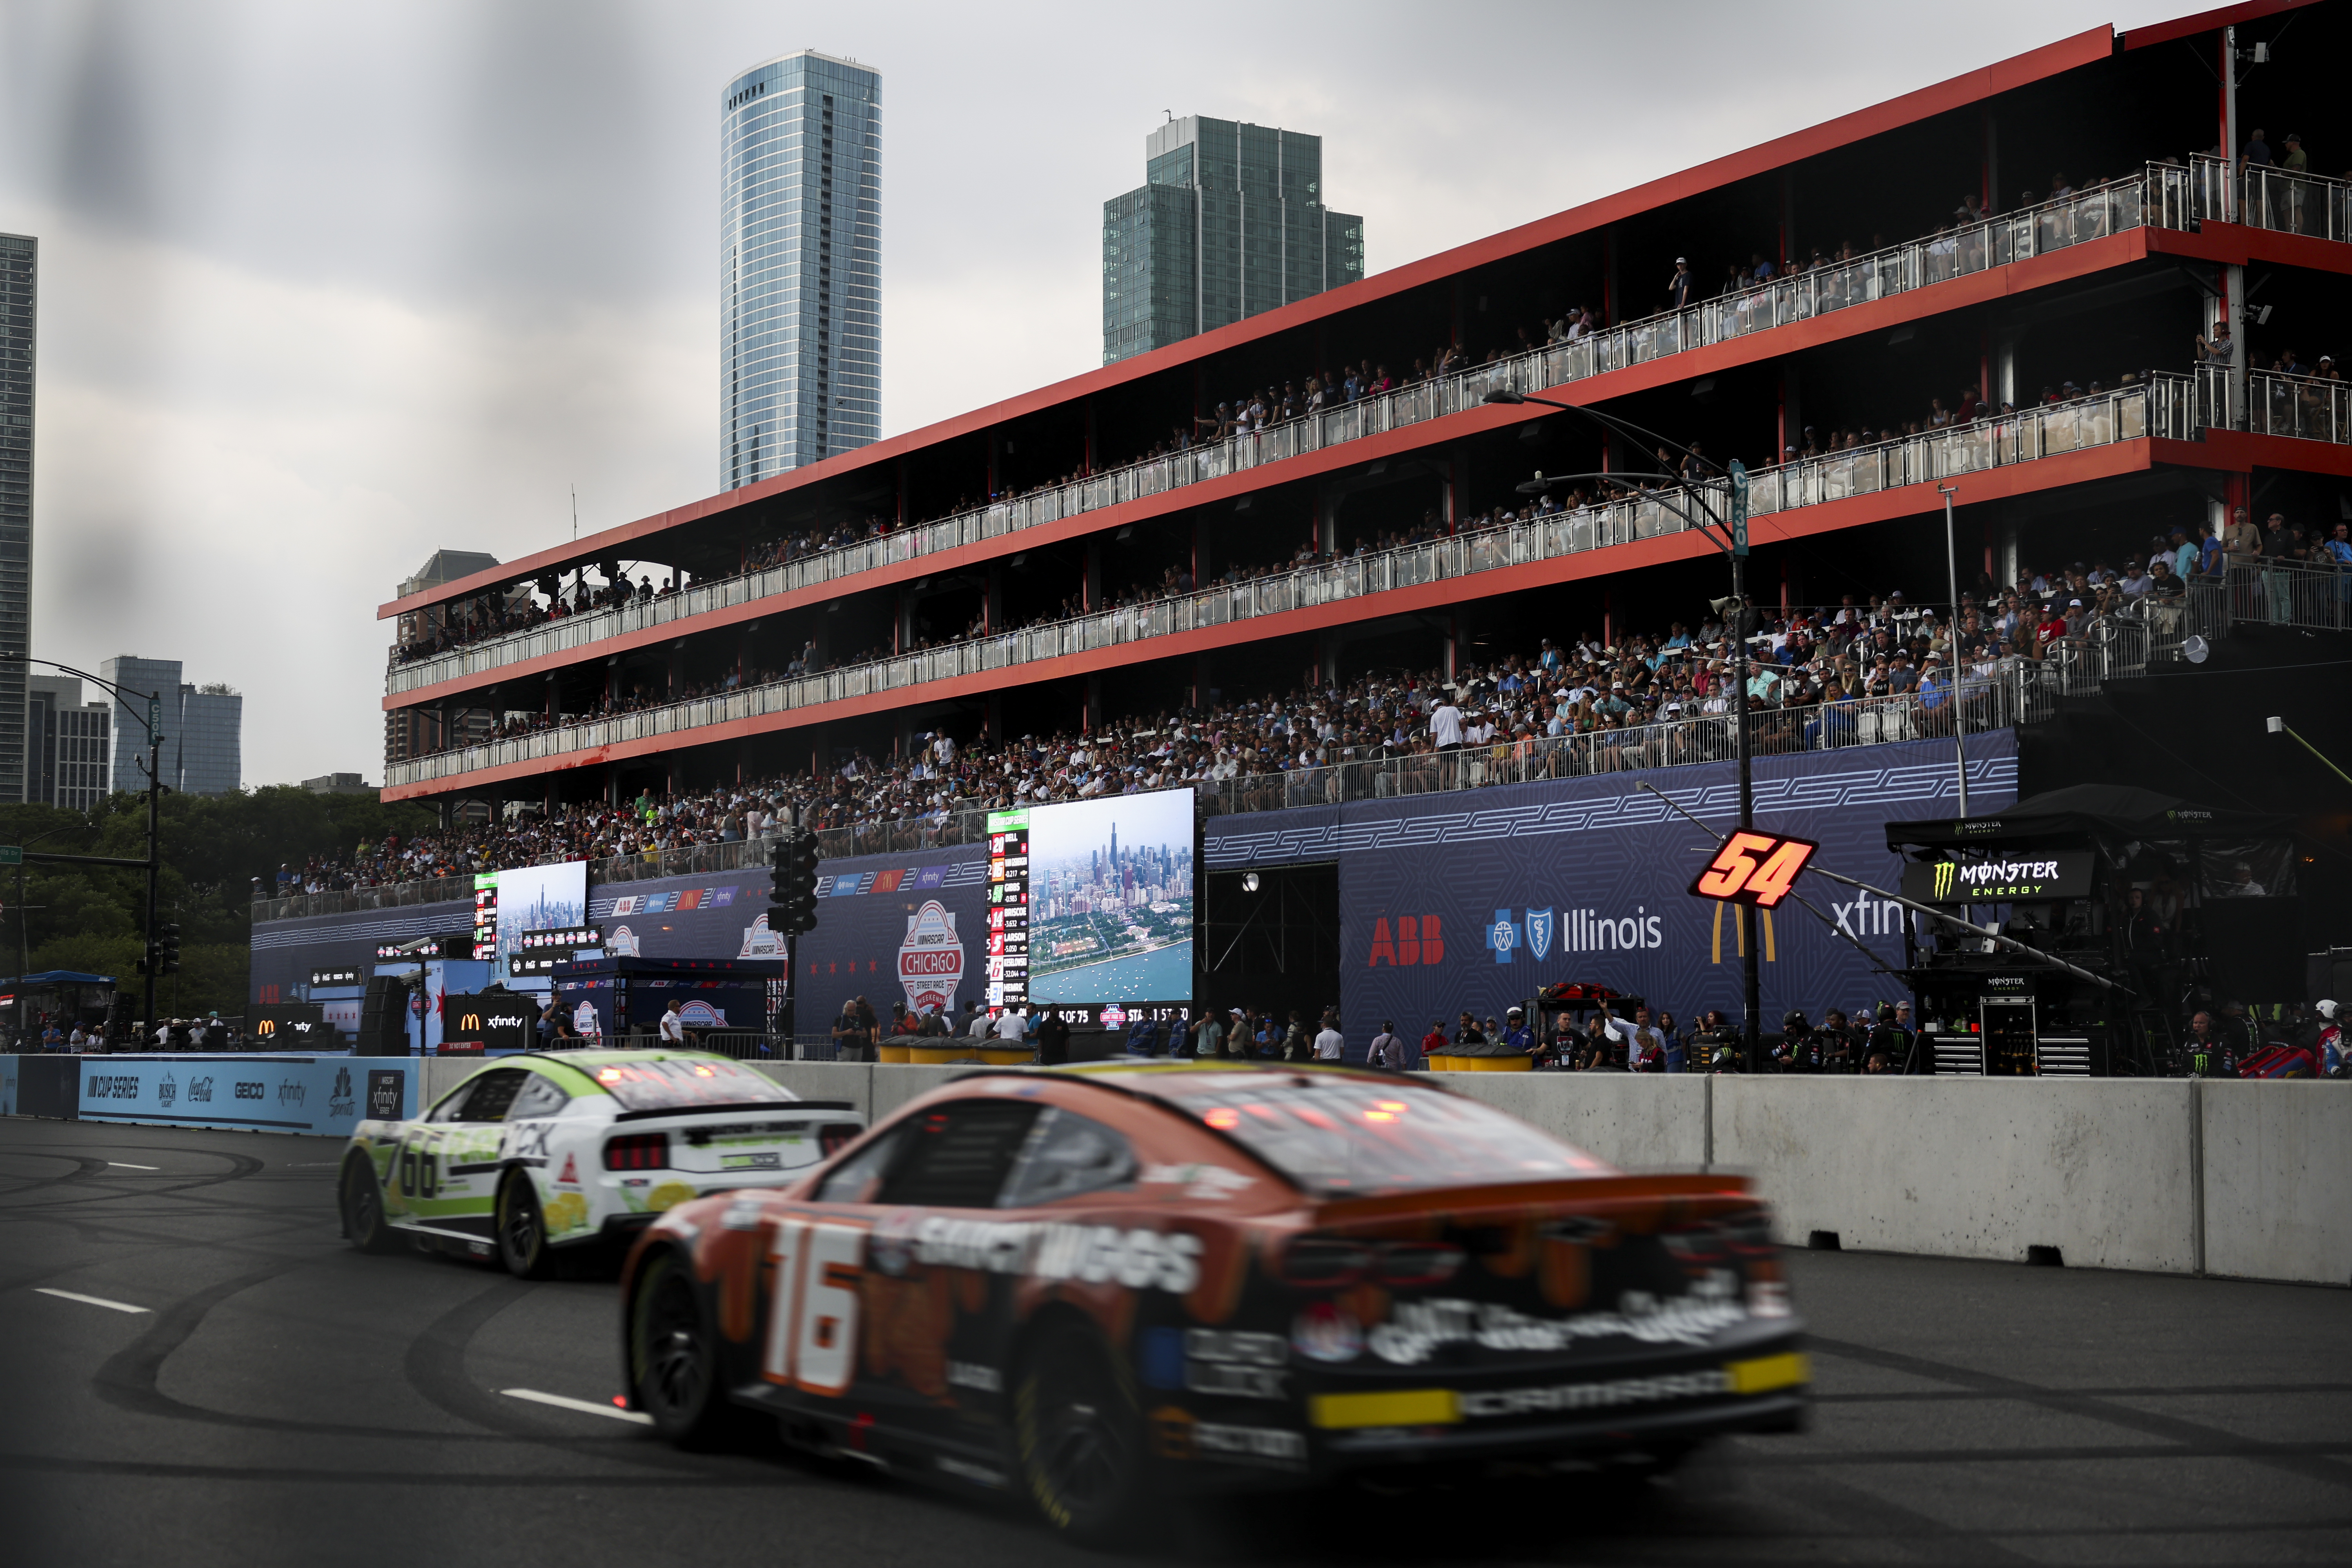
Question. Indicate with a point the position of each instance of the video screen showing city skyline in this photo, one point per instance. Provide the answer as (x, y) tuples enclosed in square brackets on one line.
[(1110, 900)]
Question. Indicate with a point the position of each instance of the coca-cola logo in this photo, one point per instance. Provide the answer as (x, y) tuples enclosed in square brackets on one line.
[(930, 959)]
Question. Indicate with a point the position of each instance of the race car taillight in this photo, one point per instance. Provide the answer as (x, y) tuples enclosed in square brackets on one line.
[(637, 1151), (1331, 1262), (832, 1137), (1325, 1261), (1416, 1263)]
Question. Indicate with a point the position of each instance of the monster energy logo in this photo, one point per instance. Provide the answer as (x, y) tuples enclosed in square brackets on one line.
[(1944, 872)]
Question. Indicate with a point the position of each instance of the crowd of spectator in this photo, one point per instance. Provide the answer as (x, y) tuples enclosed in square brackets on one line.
[(1811, 666)]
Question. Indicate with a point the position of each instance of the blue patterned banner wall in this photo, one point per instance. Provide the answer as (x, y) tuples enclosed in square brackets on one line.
[(1475, 901)]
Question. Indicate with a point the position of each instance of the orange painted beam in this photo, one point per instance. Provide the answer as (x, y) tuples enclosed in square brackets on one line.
[(2074, 262), (1854, 511)]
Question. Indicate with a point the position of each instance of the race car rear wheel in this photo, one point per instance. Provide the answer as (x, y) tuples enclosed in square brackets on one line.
[(363, 1201), (674, 1356), (1080, 1437), (522, 1230)]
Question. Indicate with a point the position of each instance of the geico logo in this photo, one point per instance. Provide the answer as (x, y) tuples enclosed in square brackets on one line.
[(1416, 939), (1596, 1395), (252, 1091)]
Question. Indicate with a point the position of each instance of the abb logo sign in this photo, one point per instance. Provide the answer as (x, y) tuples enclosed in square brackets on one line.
[(1416, 939)]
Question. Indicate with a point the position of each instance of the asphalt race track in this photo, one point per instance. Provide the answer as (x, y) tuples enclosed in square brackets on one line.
[(280, 1398)]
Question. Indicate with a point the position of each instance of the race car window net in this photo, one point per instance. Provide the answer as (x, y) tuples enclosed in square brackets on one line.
[(539, 1097), (679, 1085), (959, 1155), (857, 1179), (1069, 1154), (483, 1099), (1341, 1137)]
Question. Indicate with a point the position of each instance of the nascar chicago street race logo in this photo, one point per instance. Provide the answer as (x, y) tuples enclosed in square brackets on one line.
[(930, 959)]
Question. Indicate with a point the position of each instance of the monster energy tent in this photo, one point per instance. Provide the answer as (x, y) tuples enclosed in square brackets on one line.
[(2058, 872), (1474, 900)]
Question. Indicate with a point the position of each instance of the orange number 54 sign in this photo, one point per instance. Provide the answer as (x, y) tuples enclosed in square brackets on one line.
[(1754, 868)]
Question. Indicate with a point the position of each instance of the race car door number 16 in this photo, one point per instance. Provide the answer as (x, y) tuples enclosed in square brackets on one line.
[(812, 1328)]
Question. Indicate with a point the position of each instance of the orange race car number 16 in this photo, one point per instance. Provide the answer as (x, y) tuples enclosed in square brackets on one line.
[(813, 1327), (1754, 868)]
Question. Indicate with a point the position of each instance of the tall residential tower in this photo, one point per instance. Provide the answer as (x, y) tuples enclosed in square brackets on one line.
[(19, 276), (1230, 223), (800, 265)]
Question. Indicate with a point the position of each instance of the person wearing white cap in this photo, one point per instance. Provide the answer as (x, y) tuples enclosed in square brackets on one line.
[(1678, 287)]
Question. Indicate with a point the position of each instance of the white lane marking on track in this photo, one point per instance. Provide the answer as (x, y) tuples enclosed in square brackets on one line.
[(87, 1301), (127, 1165), (586, 1406)]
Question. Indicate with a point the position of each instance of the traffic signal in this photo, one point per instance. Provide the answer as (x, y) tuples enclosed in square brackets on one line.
[(167, 949), (792, 861)]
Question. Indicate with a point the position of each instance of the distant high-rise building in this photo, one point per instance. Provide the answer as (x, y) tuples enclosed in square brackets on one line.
[(1230, 222), (202, 728), (800, 265), (19, 280), (70, 742)]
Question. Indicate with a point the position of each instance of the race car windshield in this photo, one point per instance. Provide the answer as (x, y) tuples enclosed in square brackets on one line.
[(676, 1085), (1339, 1137)]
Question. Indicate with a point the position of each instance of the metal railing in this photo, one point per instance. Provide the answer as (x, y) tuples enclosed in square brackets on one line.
[(2161, 196), (2124, 415), (2303, 406), (2285, 201), (2017, 690)]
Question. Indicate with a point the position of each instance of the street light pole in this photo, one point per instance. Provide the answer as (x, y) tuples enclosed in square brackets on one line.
[(1734, 543), (1952, 663), (153, 719)]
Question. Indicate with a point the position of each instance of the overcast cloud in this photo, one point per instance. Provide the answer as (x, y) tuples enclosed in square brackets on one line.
[(327, 287)]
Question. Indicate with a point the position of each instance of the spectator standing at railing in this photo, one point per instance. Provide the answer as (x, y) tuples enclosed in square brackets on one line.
[(2242, 542), (1681, 284)]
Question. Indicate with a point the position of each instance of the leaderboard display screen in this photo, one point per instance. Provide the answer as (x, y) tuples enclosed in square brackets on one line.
[(1090, 906)]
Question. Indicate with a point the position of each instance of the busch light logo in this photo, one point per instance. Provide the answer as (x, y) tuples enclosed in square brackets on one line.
[(1504, 936), (166, 1091), (1539, 929), (702, 1016)]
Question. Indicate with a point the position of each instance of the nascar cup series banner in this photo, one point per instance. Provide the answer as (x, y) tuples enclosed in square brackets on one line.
[(1476, 899), (248, 1091)]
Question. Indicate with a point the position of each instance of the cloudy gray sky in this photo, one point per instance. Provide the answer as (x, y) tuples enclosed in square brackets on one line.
[(327, 287)]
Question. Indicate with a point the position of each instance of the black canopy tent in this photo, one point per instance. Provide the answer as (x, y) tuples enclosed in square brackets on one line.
[(2058, 869)]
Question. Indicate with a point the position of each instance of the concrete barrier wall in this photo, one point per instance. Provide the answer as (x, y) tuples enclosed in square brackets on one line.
[(2103, 1169), (2278, 1180), (1635, 1122), (2245, 1179)]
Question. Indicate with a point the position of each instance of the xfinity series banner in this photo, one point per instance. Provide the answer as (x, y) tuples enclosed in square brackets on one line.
[(1473, 901), (257, 1093)]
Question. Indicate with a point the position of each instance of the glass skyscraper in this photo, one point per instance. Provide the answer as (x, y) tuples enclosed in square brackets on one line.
[(1230, 222), (203, 729), (800, 258), (19, 276)]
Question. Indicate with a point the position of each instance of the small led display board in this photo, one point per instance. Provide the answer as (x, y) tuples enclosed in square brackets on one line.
[(1756, 868), (336, 977)]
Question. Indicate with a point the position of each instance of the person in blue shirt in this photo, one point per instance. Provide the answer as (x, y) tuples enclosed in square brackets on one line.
[(1515, 1032)]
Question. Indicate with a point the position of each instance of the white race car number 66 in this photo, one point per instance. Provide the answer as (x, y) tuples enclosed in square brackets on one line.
[(813, 1329)]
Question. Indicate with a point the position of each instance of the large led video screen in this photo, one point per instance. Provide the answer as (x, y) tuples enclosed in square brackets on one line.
[(1090, 905), (533, 898)]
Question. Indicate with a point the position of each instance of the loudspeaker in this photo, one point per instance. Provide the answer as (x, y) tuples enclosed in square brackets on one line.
[(384, 1016)]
